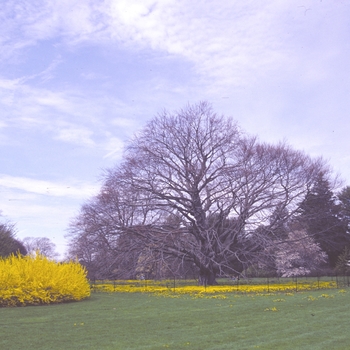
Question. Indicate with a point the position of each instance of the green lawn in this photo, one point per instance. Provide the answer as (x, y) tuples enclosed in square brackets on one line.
[(141, 321)]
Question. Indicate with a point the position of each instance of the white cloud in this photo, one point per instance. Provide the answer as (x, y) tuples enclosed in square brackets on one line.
[(114, 147), (43, 208), (68, 115), (208, 35), (26, 100), (37, 215), (234, 43), (24, 23), (123, 122), (214, 37), (74, 134), (69, 189)]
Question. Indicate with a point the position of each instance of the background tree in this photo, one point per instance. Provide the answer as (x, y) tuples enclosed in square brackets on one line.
[(299, 255), (220, 184), (343, 262), (43, 245), (8, 242), (344, 204), (322, 217)]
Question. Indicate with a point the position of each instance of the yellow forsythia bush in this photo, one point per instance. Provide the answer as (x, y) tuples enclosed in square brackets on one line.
[(36, 280)]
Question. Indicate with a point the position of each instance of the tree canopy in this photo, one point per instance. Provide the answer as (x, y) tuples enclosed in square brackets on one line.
[(195, 192), (8, 242), (41, 245), (322, 216)]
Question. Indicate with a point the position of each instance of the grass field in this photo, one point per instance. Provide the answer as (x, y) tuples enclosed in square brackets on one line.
[(305, 320)]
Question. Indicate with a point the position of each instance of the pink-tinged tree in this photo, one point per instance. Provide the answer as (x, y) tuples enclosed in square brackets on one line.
[(298, 255)]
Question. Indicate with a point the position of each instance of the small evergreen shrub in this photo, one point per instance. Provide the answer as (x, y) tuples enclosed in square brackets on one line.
[(37, 280)]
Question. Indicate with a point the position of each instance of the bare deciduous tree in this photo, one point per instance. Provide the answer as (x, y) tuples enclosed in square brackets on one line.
[(43, 245), (220, 184)]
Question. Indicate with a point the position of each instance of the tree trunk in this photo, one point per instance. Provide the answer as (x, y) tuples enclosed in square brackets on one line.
[(207, 277)]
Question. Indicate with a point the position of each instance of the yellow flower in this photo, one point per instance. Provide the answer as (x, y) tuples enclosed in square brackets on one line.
[(34, 280)]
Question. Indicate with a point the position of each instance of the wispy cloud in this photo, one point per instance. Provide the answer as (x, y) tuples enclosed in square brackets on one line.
[(39, 215), (69, 189), (76, 135), (235, 43), (42, 208), (28, 22), (68, 115), (114, 148), (222, 41)]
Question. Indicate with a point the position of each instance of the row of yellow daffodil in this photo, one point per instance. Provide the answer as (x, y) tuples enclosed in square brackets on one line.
[(33, 280), (158, 288)]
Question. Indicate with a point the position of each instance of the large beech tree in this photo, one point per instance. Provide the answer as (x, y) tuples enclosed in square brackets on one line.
[(192, 187)]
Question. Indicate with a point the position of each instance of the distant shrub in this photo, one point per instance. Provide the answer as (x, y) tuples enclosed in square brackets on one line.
[(36, 280)]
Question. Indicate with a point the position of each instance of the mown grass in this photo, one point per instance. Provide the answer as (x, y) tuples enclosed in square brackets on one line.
[(305, 320)]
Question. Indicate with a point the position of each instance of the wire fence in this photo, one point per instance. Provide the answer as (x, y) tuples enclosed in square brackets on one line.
[(268, 284)]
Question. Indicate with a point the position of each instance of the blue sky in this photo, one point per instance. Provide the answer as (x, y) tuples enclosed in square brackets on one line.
[(78, 78)]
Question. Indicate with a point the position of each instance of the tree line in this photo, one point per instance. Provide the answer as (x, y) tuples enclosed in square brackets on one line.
[(10, 244)]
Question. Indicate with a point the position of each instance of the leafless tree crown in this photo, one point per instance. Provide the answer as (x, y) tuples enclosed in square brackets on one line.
[(194, 190)]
